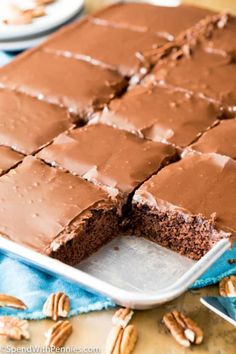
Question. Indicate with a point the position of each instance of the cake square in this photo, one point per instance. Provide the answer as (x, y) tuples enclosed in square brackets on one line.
[(27, 124), (209, 75), (112, 158), (55, 213), (189, 205), (74, 84), (108, 46), (166, 22), (8, 158), (161, 114), (220, 139)]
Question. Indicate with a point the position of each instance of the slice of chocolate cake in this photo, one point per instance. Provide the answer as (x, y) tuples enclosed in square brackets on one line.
[(221, 139), (27, 124), (195, 70), (112, 158), (189, 205), (161, 114), (80, 87), (164, 21), (54, 212), (107, 46)]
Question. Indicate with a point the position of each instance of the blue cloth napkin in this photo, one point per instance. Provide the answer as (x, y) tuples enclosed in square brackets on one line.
[(34, 286)]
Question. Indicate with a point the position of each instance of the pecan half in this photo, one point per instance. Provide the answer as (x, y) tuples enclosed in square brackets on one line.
[(121, 340), (122, 317), (184, 330), (37, 11), (227, 286), (128, 340), (14, 328), (11, 301), (57, 305), (58, 334)]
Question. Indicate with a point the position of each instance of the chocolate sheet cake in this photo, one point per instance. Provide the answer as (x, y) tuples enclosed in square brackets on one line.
[(221, 139), (189, 205), (55, 213), (72, 188), (27, 124), (83, 89), (107, 156), (161, 114), (115, 48)]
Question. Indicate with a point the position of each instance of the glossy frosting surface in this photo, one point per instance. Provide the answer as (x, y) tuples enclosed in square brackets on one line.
[(161, 114), (77, 85), (26, 124), (162, 20), (221, 139), (211, 76), (8, 158), (117, 48), (107, 156)]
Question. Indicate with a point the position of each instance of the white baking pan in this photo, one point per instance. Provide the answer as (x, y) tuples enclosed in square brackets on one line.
[(132, 271)]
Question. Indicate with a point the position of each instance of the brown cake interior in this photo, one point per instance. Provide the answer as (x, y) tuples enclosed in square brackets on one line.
[(191, 236)]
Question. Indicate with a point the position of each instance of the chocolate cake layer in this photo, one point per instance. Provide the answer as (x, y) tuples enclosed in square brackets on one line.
[(161, 114), (27, 124), (116, 48), (189, 205), (107, 156), (164, 21), (8, 158), (55, 213), (209, 75), (220, 139), (77, 85)]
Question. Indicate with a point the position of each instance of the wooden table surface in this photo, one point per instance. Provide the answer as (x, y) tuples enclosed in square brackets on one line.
[(90, 330)]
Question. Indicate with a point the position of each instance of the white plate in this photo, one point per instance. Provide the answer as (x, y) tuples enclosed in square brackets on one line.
[(57, 13), (16, 46)]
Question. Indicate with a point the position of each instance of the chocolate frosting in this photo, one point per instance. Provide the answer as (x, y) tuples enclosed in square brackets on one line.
[(208, 75), (223, 39), (26, 124), (107, 156), (77, 85), (161, 114), (43, 201), (221, 139), (165, 21), (8, 158), (112, 47), (198, 184)]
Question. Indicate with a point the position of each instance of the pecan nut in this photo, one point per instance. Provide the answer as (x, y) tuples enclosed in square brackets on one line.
[(11, 301), (227, 286), (184, 330), (58, 334), (121, 340), (122, 317), (14, 328), (57, 305)]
